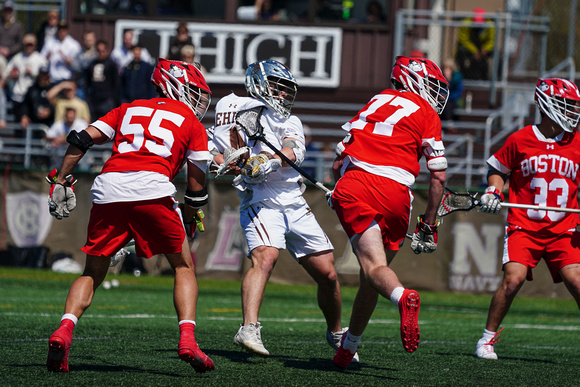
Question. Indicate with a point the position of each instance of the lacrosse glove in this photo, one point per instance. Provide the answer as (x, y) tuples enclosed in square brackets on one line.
[(196, 223), (258, 168), (491, 200), (328, 196), (61, 198), (425, 237)]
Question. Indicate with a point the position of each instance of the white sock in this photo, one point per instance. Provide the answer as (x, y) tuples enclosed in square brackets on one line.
[(396, 295), (187, 321), (71, 317), (351, 342), (488, 335)]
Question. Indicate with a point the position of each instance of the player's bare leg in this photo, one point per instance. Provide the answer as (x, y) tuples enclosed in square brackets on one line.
[(571, 277), (185, 292), (513, 279), (253, 288), (320, 267), (79, 298)]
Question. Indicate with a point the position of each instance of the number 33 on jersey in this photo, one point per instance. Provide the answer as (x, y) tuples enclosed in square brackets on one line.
[(543, 172), (159, 126)]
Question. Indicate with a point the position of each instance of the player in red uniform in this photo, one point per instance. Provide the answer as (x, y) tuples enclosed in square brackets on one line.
[(542, 164), (133, 197), (379, 161)]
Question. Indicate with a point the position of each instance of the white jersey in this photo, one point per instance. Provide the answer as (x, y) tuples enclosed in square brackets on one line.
[(283, 187)]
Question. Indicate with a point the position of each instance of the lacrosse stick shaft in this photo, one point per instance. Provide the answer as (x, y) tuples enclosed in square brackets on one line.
[(534, 207), (293, 165)]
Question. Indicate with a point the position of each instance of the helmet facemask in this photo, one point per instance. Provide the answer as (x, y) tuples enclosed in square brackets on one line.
[(563, 111), (273, 83), (432, 90)]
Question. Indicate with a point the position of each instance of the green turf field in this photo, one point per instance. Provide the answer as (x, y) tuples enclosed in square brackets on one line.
[(129, 337)]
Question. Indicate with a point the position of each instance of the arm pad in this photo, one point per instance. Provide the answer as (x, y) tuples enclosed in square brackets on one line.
[(196, 199), (81, 140), (297, 147)]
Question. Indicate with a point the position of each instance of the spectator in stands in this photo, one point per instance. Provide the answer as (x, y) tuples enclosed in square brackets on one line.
[(83, 60), (22, 70), (64, 95), (10, 31), (57, 133), (48, 29), (375, 13), (36, 108), (177, 42), (135, 80), (2, 93), (188, 56), (455, 79), (61, 52), (475, 45), (102, 82), (123, 55)]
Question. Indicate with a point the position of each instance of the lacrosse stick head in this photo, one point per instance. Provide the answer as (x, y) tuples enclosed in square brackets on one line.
[(233, 158), (273, 83), (453, 201), (249, 122)]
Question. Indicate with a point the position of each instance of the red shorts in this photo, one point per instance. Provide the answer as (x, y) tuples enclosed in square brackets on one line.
[(154, 224), (528, 248), (360, 197)]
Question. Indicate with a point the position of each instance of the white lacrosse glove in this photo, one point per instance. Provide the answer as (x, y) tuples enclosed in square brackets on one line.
[(425, 237), (491, 200), (328, 196), (258, 168), (61, 198)]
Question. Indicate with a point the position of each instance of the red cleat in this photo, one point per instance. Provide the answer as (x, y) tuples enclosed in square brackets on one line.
[(343, 356), (189, 351), (58, 347), (409, 310)]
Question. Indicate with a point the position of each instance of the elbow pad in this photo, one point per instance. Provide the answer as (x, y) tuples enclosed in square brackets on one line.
[(81, 140), (297, 147), (438, 163)]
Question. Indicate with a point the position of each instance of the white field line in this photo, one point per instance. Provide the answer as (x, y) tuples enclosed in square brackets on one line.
[(283, 320)]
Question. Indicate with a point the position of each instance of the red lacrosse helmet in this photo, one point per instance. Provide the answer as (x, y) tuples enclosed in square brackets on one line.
[(423, 77), (559, 99), (183, 82)]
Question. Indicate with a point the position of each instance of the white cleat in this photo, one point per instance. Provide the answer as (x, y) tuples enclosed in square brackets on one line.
[(334, 339), (484, 350), (249, 338)]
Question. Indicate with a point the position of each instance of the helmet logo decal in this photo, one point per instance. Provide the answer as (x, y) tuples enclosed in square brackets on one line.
[(415, 66), (175, 71)]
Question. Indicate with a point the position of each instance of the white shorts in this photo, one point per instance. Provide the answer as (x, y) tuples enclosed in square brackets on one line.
[(294, 228)]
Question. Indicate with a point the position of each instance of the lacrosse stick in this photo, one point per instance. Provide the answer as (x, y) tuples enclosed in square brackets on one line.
[(231, 155), (453, 201), (249, 121)]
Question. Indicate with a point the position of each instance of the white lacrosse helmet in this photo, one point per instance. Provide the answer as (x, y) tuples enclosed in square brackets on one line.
[(423, 77), (559, 99), (273, 83), (183, 82)]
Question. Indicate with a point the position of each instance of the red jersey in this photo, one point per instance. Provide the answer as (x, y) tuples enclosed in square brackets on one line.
[(387, 136), (153, 135), (543, 172)]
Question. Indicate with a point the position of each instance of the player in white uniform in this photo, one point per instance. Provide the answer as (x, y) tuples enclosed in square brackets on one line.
[(273, 212)]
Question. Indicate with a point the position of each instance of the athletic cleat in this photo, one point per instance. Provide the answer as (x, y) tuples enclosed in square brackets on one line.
[(335, 338), (249, 338), (484, 349), (189, 351), (343, 356), (58, 348), (409, 309)]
